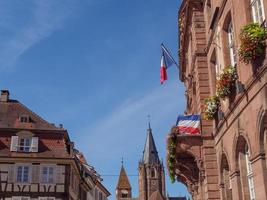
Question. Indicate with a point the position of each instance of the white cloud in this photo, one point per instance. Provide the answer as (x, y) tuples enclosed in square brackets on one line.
[(22, 30), (127, 124)]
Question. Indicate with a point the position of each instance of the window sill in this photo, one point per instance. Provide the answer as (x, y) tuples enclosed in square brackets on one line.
[(48, 184), (22, 183)]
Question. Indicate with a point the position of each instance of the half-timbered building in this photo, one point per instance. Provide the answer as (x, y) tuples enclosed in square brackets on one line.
[(38, 160)]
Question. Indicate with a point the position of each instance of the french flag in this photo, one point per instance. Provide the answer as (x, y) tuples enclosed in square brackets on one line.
[(165, 62), (163, 72), (188, 124)]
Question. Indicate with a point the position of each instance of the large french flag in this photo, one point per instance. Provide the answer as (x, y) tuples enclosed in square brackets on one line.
[(188, 124)]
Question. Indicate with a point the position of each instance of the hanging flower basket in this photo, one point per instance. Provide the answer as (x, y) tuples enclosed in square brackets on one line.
[(226, 82), (252, 38), (211, 106), (172, 144)]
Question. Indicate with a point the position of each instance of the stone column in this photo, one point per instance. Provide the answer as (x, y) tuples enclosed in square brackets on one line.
[(235, 183)]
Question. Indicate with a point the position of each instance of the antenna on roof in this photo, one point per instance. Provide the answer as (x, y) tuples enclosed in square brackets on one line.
[(149, 120), (122, 161)]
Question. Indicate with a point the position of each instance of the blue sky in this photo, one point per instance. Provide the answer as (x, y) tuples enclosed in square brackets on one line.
[(93, 65)]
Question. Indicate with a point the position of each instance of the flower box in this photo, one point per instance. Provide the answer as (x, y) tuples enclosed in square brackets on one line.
[(226, 82), (211, 106), (252, 38)]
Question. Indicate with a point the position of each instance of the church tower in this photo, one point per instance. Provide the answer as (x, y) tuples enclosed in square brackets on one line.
[(123, 189), (151, 171)]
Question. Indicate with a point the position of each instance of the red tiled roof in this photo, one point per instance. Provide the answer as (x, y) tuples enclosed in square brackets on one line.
[(12, 110)]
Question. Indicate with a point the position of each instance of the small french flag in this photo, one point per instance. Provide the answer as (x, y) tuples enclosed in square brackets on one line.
[(163, 72), (188, 124), (165, 62)]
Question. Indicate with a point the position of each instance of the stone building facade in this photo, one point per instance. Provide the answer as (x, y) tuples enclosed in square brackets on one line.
[(38, 160), (227, 161)]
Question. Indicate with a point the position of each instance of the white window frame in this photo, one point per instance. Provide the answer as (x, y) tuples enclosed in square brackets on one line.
[(251, 187), (257, 8), (24, 144), (23, 173), (231, 44), (50, 178)]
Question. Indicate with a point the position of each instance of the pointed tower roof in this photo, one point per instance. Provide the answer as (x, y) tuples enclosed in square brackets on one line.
[(150, 154), (123, 182)]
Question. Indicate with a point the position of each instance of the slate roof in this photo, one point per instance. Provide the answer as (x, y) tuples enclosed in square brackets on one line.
[(123, 182), (150, 154)]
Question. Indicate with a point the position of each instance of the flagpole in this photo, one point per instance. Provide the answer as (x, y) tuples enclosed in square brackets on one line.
[(165, 49)]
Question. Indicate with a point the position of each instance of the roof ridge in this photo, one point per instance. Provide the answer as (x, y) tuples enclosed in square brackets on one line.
[(37, 116)]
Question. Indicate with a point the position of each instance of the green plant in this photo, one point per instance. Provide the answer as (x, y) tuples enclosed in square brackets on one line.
[(252, 38), (226, 82), (211, 106), (172, 144)]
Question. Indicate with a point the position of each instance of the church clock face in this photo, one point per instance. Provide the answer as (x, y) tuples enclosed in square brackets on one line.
[(154, 185), (124, 191)]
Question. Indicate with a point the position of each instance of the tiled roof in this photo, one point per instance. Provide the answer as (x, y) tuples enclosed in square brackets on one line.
[(12, 110), (123, 182), (89, 169)]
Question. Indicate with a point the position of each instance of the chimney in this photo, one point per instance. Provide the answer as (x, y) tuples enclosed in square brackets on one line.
[(4, 96)]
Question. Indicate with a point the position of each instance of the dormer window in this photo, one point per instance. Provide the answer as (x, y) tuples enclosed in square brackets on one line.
[(24, 142), (24, 119)]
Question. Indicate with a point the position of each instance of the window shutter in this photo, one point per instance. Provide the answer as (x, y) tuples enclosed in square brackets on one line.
[(34, 144), (35, 173), (11, 174), (14, 143), (60, 170)]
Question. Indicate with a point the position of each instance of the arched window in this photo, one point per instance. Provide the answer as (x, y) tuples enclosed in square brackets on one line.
[(249, 175), (214, 70), (245, 168), (257, 9), (231, 44), (153, 173)]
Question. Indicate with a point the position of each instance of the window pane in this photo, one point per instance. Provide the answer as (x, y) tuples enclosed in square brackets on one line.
[(26, 174), (19, 174), (51, 173), (44, 175)]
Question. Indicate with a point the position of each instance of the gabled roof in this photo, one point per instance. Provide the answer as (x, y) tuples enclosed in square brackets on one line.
[(156, 196), (12, 110), (150, 155), (123, 182)]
